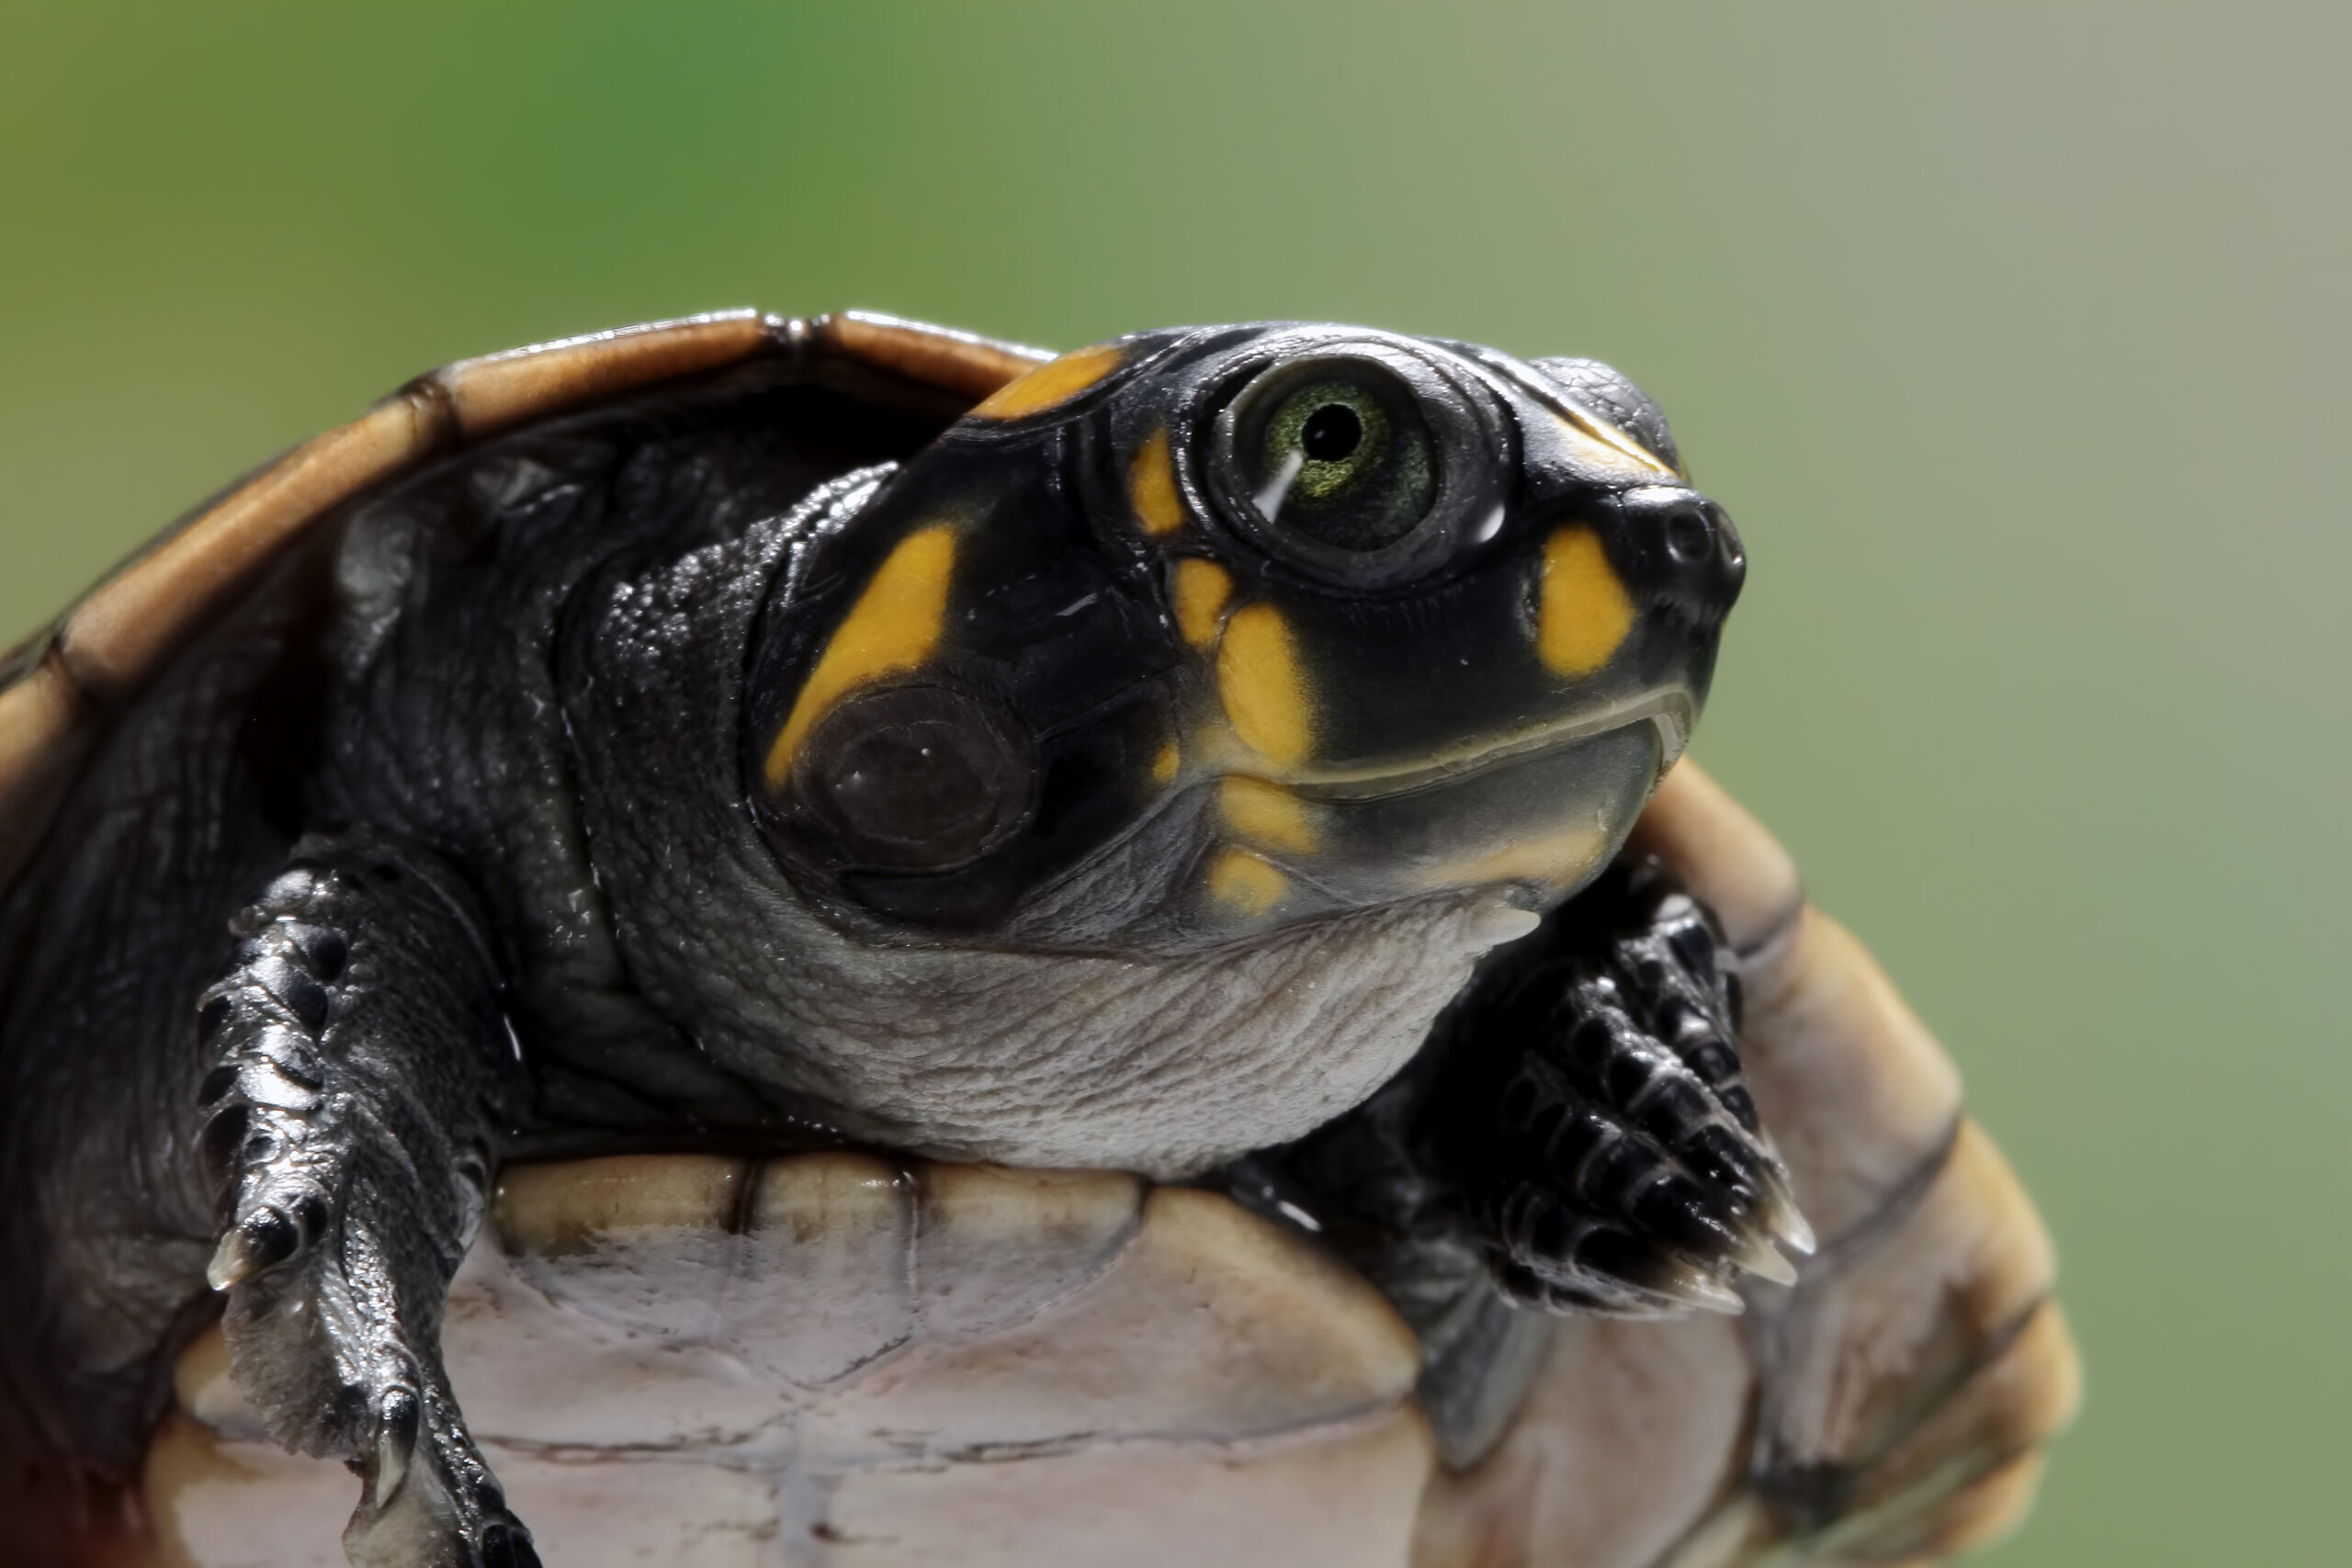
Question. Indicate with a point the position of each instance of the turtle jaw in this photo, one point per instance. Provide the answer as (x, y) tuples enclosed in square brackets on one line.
[(1671, 709), (1533, 815)]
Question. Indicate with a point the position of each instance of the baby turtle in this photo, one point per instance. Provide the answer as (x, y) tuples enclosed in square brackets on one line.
[(692, 795)]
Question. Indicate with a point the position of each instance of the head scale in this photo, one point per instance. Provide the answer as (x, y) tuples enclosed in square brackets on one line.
[(1196, 634)]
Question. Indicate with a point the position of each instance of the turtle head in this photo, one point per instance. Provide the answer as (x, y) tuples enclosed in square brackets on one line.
[(1184, 638)]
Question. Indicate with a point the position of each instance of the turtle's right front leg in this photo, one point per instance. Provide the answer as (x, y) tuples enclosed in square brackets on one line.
[(362, 1064)]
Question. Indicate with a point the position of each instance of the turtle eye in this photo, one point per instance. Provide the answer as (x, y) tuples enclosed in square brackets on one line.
[(916, 778), (1340, 454)]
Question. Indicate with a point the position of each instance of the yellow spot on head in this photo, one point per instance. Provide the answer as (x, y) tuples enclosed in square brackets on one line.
[(1056, 382), (1242, 882), (1267, 814), (1584, 612), (1151, 487), (1200, 589), (893, 626), (1600, 444), (1558, 860), (1163, 767), (1263, 688)]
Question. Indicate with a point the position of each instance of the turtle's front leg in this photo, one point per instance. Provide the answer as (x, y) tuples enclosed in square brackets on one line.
[(1578, 1118), (362, 1062), (1588, 1105)]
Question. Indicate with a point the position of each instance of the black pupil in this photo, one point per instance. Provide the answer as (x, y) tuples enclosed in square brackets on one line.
[(1331, 434)]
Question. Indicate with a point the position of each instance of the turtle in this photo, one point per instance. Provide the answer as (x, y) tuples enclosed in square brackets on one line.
[(895, 948)]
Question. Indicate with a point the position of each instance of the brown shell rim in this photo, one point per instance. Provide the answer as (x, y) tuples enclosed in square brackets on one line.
[(106, 646)]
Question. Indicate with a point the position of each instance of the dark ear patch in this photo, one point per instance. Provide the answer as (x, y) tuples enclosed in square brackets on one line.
[(1615, 398), (918, 777)]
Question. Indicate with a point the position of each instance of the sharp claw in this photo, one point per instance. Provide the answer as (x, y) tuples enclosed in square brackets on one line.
[(1783, 1218), (1761, 1258), (262, 1240), (1709, 1294), (395, 1442)]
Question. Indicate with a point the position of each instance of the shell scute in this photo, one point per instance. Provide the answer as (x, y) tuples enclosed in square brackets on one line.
[(959, 362), (1183, 1371), (111, 643)]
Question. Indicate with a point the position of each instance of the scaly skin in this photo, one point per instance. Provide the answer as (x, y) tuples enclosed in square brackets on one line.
[(363, 1064)]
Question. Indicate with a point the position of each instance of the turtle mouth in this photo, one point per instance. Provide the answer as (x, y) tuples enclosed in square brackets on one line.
[(1543, 808), (1670, 709)]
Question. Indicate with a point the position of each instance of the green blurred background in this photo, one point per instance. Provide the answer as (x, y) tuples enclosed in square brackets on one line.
[(2015, 337)]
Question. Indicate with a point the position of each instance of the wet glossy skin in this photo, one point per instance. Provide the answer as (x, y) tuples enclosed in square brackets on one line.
[(1136, 612), (1125, 774)]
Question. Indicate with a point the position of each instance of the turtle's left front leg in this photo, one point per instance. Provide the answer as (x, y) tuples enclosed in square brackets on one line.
[(363, 1067), (1578, 1118)]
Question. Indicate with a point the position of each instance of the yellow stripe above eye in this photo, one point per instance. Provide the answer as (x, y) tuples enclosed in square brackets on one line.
[(1151, 487), (1264, 689), (1583, 613), (1056, 382), (894, 626)]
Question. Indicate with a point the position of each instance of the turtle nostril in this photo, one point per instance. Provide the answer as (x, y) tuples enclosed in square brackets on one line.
[(1687, 538)]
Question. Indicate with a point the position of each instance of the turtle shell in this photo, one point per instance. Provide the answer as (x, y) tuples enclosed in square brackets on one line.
[(880, 1366), (825, 1358), (58, 688)]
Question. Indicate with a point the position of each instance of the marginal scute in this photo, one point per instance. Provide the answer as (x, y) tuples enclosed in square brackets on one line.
[(1924, 1306), (1966, 1475), (497, 392), (998, 1247), (1858, 1096), (39, 720), (115, 639), (1632, 1431), (938, 356), (581, 1205), (640, 1241), (1723, 854)]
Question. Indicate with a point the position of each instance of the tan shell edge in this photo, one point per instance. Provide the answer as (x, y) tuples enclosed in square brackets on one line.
[(115, 638), (959, 362)]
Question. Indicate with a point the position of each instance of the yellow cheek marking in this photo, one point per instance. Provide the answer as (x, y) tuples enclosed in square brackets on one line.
[(1242, 882), (1263, 688), (1056, 382), (1267, 814), (894, 626), (1163, 767), (1200, 589), (1151, 487), (1584, 613), (1560, 860)]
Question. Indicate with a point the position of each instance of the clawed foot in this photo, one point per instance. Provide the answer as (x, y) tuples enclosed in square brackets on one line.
[(1593, 1115), (338, 1142)]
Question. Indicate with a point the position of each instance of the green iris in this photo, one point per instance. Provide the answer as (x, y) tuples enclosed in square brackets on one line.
[(1345, 462)]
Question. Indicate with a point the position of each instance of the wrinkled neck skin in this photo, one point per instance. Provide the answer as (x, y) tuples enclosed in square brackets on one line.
[(1167, 1067)]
